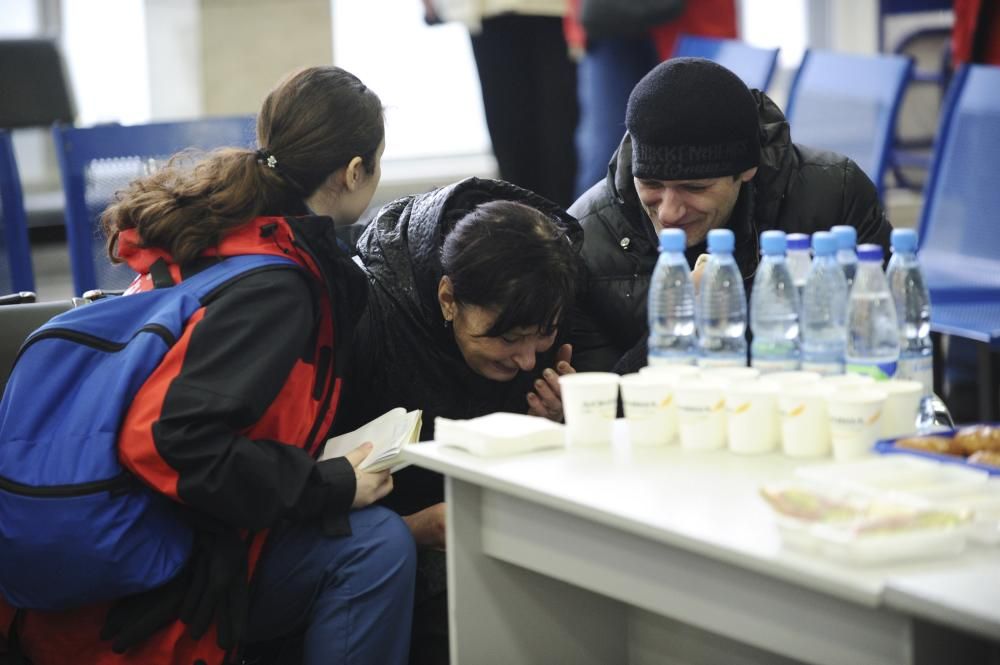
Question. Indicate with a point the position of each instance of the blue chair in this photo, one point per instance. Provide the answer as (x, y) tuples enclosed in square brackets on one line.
[(848, 104), (15, 251), (96, 162), (753, 64), (960, 224)]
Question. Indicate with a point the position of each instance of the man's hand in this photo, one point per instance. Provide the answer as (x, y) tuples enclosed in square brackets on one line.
[(546, 399), (370, 486), (428, 526)]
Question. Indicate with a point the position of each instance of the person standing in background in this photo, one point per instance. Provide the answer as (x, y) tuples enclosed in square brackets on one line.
[(528, 82), (975, 36), (610, 67)]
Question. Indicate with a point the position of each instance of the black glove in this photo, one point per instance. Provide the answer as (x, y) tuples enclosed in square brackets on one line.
[(133, 619), (219, 588), (211, 586)]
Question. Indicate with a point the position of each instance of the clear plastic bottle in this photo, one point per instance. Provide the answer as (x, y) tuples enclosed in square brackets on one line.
[(798, 259), (672, 335), (824, 309), (721, 306), (774, 309), (913, 310), (847, 257), (872, 331)]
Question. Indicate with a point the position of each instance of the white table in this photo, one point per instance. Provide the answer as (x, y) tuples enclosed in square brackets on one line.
[(613, 555)]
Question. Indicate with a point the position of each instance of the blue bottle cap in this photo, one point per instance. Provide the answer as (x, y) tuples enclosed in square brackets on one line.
[(773, 242), (798, 241), (868, 252), (672, 240), (847, 236), (824, 243), (721, 241), (904, 240)]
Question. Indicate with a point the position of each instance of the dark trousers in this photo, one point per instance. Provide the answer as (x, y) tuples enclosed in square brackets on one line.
[(529, 95)]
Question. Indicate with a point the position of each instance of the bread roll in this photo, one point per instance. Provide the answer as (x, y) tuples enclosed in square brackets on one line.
[(942, 445), (986, 457), (974, 438)]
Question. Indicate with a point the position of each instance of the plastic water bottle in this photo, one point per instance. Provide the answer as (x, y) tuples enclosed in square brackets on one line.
[(847, 239), (721, 306), (824, 309), (913, 310), (799, 260), (672, 334), (774, 309), (872, 331)]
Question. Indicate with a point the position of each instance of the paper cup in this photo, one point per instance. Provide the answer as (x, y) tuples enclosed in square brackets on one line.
[(650, 411), (701, 415), (839, 381), (752, 417), (794, 378), (855, 421), (804, 422), (590, 403), (729, 375), (680, 371), (902, 405)]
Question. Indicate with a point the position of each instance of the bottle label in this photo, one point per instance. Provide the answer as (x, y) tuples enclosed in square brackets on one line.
[(780, 365), (678, 359), (826, 369), (878, 371), (920, 368)]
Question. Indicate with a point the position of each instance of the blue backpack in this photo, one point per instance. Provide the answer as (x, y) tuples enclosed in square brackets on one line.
[(75, 526)]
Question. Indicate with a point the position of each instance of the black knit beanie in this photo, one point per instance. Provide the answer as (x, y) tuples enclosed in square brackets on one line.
[(690, 118)]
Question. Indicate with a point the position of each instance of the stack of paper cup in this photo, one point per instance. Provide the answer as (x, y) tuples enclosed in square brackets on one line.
[(701, 415), (590, 403), (650, 410), (729, 375), (855, 420), (902, 405), (752, 416), (805, 423)]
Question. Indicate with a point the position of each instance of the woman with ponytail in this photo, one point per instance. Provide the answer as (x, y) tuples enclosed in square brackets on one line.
[(229, 425)]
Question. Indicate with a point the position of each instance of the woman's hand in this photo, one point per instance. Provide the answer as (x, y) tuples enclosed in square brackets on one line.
[(428, 526), (370, 486), (546, 399)]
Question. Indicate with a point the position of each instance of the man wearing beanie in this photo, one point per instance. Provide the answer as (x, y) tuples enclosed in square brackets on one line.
[(701, 152)]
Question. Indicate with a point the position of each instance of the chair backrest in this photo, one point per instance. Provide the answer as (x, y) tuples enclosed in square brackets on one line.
[(35, 87), (96, 162), (19, 321), (960, 223), (848, 103), (15, 251), (753, 64)]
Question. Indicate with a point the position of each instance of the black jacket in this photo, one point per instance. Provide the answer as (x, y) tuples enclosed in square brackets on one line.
[(403, 355), (796, 189)]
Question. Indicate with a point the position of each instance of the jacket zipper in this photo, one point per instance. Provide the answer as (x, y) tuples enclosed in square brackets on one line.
[(96, 342), (117, 483), (331, 377)]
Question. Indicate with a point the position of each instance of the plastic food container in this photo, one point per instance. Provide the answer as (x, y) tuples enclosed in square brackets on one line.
[(889, 447), (899, 473), (862, 527)]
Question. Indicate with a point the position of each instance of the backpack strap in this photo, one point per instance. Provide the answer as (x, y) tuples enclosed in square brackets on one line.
[(14, 655), (159, 271)]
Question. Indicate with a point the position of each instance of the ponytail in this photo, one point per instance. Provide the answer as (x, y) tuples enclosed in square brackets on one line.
[(314, 122), (187, 208)]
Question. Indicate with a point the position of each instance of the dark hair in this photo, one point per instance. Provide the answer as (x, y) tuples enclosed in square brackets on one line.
[(314, 122), (513, 258)]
